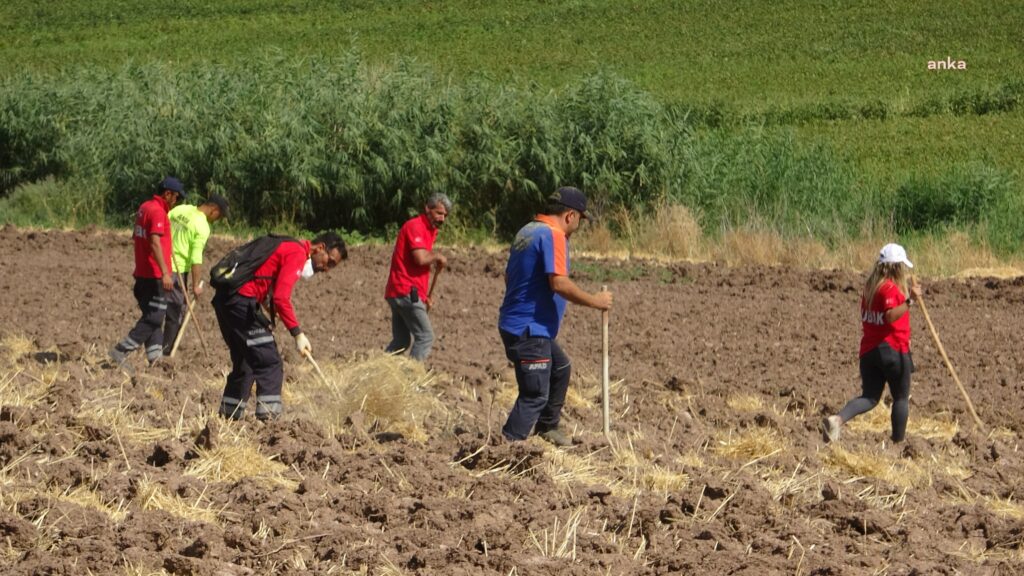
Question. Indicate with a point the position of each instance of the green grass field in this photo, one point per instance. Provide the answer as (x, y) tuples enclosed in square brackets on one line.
[(749, 53), (842, 90)]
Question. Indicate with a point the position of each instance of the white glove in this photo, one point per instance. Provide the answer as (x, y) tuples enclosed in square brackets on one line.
[(302, 344)]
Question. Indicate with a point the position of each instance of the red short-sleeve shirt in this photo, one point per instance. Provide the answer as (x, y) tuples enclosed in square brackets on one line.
[(151, 219), (405, 274), (876, 329)]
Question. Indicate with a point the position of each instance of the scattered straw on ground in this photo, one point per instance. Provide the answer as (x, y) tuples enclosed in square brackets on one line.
[(392, 391), (133, 570), (558, 541), (752, 444), (745, 403), (21, 383), (110, 409), (88, 498), (152, 496), (879, 465), (878, 421), (801, 486), (235, 456), (1006, 507)]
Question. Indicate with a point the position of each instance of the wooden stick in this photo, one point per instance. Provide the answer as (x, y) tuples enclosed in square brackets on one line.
[(433, 283), (309, 356), (184, 322), (199, 327), (181, 331), (949, 365), (190, 313), (604, 370)]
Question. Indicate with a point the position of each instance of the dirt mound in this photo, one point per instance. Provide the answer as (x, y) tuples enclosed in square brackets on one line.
[(716, 465)]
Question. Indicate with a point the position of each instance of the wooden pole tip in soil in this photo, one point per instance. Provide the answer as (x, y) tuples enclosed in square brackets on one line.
[(604, 370), (949, 365)]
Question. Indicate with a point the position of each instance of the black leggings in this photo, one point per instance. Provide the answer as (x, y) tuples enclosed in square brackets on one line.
[(881, 365)]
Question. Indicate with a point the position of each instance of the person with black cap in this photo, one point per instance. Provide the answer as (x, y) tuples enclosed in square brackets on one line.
[(190, 231), (537, 287), (153, 280)]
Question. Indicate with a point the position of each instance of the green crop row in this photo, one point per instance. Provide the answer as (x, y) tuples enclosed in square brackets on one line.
[(869, 56)]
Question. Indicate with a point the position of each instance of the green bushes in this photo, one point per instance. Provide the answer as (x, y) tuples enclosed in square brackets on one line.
[(767, 176), (971, 196), (334, 143), (55, 204)]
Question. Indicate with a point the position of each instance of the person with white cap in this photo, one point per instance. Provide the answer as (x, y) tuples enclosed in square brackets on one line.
[(885, 304)]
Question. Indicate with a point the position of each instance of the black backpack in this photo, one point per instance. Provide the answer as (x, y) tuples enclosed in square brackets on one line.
[(239, 266)]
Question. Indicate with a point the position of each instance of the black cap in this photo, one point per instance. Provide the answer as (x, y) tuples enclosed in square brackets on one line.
[(220, 202), (173, 184), (571, 198)]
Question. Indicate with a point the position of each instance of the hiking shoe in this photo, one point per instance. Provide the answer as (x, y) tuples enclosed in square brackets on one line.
[(556, 437), (830, 428)]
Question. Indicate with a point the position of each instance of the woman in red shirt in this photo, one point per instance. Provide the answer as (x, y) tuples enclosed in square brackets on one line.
[(885, 345)]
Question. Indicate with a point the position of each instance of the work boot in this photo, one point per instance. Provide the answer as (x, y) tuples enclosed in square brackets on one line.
[(830, 428), (120, 359), (556, 437)]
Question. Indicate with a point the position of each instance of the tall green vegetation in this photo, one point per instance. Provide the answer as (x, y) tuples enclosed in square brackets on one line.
[(801, 117), (336, 143)]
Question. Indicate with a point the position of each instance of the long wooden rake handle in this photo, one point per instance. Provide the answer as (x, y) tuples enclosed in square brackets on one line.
[(433, 283), (181, 332), (191, 313), (605, 409), (949, 365), (309, 356)]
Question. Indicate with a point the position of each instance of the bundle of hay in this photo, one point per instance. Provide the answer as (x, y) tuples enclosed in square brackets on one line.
[(383, 392)]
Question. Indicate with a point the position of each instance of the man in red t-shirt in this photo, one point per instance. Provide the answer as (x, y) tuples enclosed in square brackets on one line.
[(406, 290), (153, 280), (248, 331)]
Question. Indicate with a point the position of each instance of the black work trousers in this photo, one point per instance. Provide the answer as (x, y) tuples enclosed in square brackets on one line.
[(254, 358), (542, 374), (148, 331)]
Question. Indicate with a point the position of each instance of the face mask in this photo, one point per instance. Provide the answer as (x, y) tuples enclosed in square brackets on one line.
[(307, 270)]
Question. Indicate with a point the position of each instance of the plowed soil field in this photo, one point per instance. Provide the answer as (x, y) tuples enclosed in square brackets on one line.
[(715, 465)]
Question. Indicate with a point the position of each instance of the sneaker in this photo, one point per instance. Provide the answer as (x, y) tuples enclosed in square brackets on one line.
[(556, 437), (830, 428)]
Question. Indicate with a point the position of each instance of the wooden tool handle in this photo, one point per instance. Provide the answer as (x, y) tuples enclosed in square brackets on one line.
[(605, 409), (949, 365)]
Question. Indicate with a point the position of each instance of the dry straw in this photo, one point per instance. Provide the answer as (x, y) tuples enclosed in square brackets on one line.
[(391, 391), (152, 496), (238, 455)]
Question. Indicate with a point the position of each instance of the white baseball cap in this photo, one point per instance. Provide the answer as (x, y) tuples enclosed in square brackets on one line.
[(894, 254)]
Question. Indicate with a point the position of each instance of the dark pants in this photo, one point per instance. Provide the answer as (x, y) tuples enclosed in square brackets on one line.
[(175, 312), (881, 365), (149, 293), (254, 357), (542, 373)]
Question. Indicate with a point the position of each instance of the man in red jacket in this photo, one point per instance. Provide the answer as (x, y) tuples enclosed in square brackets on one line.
[(248, 331), (153, 280)]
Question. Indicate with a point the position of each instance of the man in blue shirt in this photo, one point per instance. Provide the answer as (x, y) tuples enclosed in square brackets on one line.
[(537, 286)]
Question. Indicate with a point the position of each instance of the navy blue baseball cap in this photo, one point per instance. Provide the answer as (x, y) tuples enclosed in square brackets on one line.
[(173, 184), (571, 198)]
